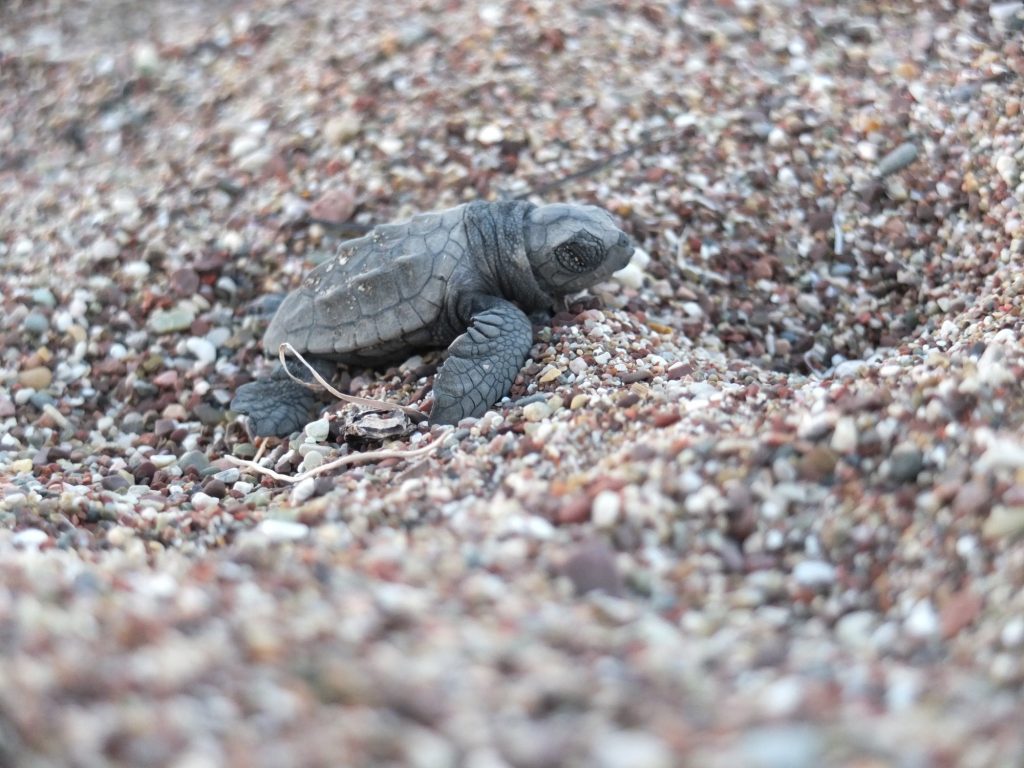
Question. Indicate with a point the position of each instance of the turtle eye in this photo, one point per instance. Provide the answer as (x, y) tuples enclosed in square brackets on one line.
[(581, 254)]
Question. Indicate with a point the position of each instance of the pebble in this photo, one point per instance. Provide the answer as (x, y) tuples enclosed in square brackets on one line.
[(897, 159), (1012, 635), (283, 530), (635, 749), (905, 463), (335, 206), (163, 460), (318, 430), (814, 573), (36, 323), (312, 460), (342, 128), (228, 476), (923, 621), (606, 509), (490, 134), (1008, 170), (592, 567), (781, 746), (44, 296), (1004, 522), (537, 411), (202, 500), (844, 436), (202, 349), (172, 320), (36, 378)]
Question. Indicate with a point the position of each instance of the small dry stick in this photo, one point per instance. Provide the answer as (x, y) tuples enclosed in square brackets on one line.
[(286, 348), (352, 458)]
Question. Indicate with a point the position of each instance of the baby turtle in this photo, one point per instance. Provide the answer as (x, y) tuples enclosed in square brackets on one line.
[(464, 278)]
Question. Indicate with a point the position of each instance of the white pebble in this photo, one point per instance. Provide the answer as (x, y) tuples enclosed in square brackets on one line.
[(244, 145), (633, 748), (162, 460), (814, 573), (1008, 169), (303, 491), (283, 530), (1012, 635), (867, 151), (536, 411), (204, 351), (787, 177), (606, 509), (136, 269), (922, 621), (312, 460), (318, 430), (30, 538), (490, 134), (777, 138), (631, 276), (202, 500), (844, 436)]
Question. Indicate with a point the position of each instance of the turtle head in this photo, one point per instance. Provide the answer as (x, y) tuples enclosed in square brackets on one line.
[(572, 247)]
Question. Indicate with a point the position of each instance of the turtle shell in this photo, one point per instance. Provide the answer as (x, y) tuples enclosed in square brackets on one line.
[(380, 296)]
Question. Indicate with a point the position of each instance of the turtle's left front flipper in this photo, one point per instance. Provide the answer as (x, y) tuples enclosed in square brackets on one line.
[(483, 362), (278, 406)]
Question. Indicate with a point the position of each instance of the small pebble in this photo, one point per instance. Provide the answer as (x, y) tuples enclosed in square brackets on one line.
[(36, 323), (814, 573), (171, 320), (605, 509), (318, 430), (283, 530), (897, 159), (905, 463), (203, 350), (36, 378), (537, 411)]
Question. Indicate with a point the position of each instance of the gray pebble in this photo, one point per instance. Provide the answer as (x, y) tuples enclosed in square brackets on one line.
[(44, 296), (133, 423), (898, 159), (195, 459), (229, 475), (905, 463), (36, 322), (208, 414), (39, 399)]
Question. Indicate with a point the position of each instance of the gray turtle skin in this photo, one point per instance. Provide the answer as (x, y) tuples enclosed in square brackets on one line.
[(464, 278)]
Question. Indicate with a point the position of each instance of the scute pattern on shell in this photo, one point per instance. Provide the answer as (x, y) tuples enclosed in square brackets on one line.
[(379, 296)]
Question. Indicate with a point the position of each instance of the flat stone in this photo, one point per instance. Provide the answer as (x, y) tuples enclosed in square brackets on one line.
[(172, 320), (905, 463), (195, 459), (36, 378)]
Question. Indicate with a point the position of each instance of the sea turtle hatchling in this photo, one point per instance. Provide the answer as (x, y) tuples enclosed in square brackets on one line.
[(464, 278)]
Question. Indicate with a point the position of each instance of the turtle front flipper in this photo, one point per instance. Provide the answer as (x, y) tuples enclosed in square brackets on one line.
[(278, 406), (483, 362)]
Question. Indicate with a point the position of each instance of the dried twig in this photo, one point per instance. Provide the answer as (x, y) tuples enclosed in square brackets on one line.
[(352, 458), (414, 415)]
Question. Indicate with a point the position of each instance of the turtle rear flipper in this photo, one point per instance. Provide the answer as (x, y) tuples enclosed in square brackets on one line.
[(483, 362), (275, 407)]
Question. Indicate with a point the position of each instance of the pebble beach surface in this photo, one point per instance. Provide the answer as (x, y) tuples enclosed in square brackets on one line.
[(758, 501)]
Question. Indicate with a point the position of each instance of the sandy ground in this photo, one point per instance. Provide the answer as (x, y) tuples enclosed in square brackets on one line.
[(759, 501)]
